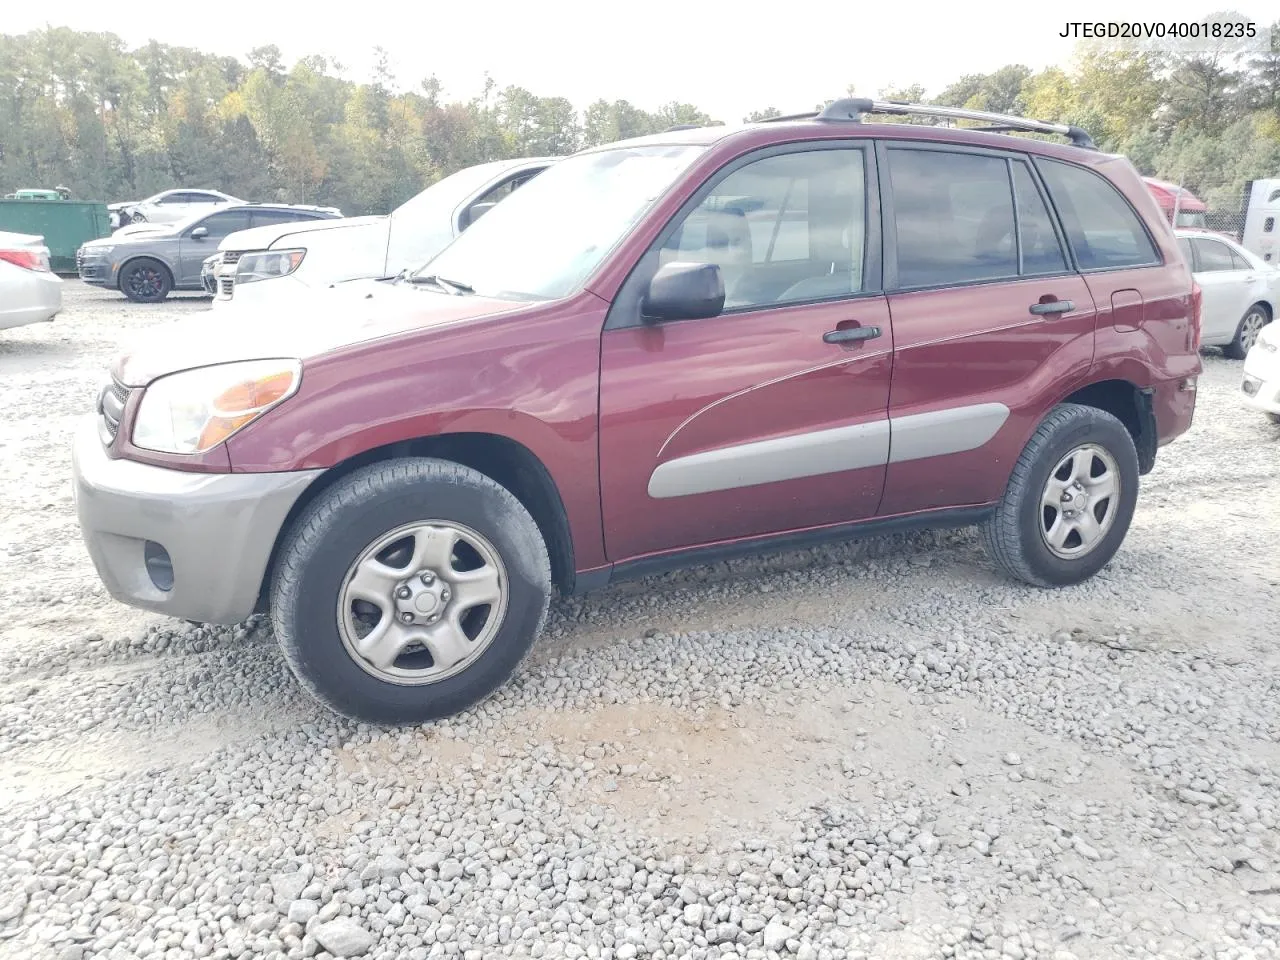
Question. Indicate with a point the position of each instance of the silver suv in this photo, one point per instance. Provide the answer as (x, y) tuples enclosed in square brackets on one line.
[(146, 262)]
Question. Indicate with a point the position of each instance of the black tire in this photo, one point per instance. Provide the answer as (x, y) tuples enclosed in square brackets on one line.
[(1247, 332), (145, 280), (1013, 535), (1272, 417), (343, 521)]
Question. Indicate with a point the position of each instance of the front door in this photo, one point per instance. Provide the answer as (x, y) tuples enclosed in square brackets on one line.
[(771, 416), (194, 250)]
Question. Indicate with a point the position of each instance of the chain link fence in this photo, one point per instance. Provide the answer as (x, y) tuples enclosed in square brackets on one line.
[(1203, 200)]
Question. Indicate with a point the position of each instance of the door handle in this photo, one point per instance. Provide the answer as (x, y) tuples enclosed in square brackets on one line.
[(1053, 306), (849, 334)]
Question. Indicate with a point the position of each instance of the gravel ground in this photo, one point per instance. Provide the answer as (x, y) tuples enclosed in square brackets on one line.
[(881, 749)]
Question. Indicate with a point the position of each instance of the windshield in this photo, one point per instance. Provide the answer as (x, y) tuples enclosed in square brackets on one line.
[(544, 240), (436, 203)]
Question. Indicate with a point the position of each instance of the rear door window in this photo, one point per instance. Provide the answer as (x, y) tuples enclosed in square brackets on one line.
[(1103, 230), (262, 218), (953, 216), (1038, 241), (1214, 257)]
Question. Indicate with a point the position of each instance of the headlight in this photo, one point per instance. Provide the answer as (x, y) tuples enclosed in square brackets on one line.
[(192, 411), (99, 251), (268, 264)]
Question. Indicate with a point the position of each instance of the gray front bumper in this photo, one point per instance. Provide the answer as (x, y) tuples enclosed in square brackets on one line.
[(218, 529)]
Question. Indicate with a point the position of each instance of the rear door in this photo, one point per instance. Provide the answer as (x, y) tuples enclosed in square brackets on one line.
[(770, 416), (989, 319), (1227, 284)]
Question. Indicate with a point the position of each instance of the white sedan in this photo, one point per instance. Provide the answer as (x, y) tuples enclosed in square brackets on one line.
[(1241, 292), (172, 206), (29, 292), (1260, 387)]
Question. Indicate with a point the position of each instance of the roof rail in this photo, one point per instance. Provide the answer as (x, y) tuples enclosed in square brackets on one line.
[(683, 126), (852, 109)]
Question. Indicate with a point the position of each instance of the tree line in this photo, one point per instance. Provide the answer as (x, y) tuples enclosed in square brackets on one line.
[(110, 123)]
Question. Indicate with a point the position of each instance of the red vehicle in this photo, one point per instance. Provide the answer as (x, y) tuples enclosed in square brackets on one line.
[(1181, 208), (659, 352)]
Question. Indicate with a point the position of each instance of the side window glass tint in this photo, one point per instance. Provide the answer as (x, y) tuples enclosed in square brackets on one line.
[(1041, 252), (783, 229), (953, 213), (1101, 226), (222, 224), (262, 218), (1238, 262), (1214, 257), (1185, 246)]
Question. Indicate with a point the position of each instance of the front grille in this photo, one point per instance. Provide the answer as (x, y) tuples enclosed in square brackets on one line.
[(227, 285), (111, 403), (79, 258)]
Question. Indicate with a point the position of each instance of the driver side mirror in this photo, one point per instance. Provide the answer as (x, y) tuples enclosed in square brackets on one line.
[(684, 291), (478, 210), (199, 233)]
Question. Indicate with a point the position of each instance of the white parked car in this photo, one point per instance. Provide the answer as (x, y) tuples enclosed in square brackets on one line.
[(29, 292), (1241, 292), (1261, 384), (305, 257), (172, 206)]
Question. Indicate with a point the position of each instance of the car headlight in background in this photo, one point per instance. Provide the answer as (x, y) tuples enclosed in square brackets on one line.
[(195, 410), (268, 265), (99, 251)]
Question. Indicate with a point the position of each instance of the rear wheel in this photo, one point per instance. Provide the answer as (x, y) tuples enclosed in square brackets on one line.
[(409, 591), (145, 281), (1251, 324), (1069, 501)]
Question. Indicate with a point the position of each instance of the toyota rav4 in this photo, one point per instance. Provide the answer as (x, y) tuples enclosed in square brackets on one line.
[(659, 352)]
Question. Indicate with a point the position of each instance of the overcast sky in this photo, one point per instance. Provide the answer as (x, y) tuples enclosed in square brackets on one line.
[(726, 57)]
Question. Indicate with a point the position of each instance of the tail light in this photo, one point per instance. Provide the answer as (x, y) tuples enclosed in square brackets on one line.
[(29, 258), (1197, 303)]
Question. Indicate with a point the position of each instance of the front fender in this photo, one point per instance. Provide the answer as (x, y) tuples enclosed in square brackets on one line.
[(534, 381)]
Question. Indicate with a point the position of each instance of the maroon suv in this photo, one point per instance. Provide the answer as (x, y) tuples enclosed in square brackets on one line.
[(658, 353)]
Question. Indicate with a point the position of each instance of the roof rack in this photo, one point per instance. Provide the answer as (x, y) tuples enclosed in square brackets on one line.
[(683, 126), (852, 109)]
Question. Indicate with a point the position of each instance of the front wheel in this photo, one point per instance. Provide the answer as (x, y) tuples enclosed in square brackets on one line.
[(1069, 501), (409, 591), (145, 281)]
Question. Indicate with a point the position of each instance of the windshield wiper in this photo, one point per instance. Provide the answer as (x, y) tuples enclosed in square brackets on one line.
[(452, 286)]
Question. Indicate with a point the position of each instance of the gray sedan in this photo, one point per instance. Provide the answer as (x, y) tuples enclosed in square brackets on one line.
[(147, 262)]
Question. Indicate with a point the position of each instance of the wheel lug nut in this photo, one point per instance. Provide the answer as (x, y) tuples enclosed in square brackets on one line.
[(444, 594), (404, 593), (427, 578), (406, 617), (433, 618)]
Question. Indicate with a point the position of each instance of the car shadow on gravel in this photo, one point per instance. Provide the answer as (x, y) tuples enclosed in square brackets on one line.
[(33, 350)]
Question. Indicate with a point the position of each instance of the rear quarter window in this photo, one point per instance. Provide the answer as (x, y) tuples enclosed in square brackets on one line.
[(1103, 229)]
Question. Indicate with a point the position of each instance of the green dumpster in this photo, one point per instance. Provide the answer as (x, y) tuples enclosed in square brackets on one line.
[(64, 224)]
